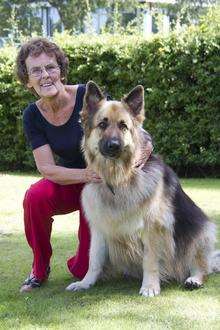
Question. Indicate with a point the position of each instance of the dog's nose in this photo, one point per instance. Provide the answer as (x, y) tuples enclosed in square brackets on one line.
[(110, 147), (113, 145)]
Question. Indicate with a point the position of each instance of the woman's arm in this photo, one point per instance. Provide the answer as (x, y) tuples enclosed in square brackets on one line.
[(46, 166)]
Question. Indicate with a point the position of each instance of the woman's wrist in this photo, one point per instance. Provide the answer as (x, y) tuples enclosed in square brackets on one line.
[(90, 176), (85, 175)]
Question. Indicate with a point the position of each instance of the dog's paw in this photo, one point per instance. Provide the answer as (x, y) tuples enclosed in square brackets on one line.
[(77, 286), (192, 283), (149, 291)]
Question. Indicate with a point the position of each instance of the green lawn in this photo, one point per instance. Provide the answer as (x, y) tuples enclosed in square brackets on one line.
[(110, 305)]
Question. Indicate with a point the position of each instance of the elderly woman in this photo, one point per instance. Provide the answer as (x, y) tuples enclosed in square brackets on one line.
[(52, 126)]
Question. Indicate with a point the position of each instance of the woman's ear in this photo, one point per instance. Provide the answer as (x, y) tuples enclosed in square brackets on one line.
[(29, 85)]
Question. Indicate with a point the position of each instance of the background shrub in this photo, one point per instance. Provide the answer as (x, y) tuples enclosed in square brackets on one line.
[(180, 77)]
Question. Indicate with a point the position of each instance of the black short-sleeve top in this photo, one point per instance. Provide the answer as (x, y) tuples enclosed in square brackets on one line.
[(64, 140)]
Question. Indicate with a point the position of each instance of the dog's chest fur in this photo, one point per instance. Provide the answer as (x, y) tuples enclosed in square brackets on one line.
[(124, 217), (104, 209), (125, 212)]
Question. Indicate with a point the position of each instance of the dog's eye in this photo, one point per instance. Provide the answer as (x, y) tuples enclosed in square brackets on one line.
[(103, 125), (122, 126)]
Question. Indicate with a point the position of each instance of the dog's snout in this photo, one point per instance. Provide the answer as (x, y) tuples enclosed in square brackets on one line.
[(110, 147), (113, 145)]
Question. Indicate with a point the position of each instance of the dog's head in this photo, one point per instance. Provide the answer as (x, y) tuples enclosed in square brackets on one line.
[(110, 126)]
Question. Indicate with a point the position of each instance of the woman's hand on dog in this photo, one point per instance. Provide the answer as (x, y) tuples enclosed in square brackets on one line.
[(91, 176)]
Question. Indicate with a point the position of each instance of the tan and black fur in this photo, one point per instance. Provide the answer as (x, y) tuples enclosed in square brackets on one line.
[(142, 223)]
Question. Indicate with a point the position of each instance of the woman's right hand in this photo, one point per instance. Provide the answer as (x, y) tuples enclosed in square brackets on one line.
[(91, 176)]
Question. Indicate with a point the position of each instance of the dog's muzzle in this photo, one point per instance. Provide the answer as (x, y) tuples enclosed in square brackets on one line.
[(110, 147)]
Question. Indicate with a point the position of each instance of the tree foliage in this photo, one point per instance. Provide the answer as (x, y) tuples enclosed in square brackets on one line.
[(189, 11), (19, 16), (73, 12)]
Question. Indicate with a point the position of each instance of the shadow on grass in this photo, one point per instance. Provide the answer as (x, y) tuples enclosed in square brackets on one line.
[(113, 301)]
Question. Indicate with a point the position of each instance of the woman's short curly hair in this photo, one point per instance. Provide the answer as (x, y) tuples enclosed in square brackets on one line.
[(34, 47)]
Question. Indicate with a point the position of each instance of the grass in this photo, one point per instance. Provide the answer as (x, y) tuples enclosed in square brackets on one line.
[(111, 305)]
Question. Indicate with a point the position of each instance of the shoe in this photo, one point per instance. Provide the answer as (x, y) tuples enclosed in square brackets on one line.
[(32, 282)]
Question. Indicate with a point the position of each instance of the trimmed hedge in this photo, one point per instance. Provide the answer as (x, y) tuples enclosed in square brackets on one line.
[(180, 77)]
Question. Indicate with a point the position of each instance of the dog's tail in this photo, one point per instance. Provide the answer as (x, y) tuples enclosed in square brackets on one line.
[(215, 262)]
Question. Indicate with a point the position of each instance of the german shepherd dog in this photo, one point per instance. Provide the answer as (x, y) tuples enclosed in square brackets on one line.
[(142, 223)]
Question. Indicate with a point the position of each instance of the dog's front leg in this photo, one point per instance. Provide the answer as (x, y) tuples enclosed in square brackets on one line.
[(151, 282), (96, 261)]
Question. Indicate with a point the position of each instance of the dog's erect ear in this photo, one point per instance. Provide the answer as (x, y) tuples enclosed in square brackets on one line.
[(92, 97), (135, 101), (91, 103)]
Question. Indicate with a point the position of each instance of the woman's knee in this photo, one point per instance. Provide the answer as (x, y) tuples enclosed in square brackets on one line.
[(39, 192)]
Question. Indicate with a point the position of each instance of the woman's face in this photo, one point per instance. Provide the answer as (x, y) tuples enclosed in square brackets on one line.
[(44, 75)]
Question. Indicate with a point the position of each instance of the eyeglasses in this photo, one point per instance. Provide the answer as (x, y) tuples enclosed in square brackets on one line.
[(38, 70)]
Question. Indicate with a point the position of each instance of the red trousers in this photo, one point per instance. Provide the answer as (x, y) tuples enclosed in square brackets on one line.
[(43, 200)]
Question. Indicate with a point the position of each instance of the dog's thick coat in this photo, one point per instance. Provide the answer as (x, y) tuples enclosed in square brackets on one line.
[(142, 223)]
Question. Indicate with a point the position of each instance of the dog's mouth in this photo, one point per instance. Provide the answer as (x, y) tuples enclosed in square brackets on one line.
[(110, 148)]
